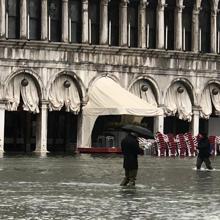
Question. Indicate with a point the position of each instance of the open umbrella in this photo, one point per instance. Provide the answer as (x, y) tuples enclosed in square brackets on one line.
[(141, 131)]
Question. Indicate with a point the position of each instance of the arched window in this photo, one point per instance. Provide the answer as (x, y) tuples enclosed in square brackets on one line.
[(113, 22), (151, 24), (169, 24), (133, 24), (218, 28), (75, 20), (13, 19), (187, 24), (204, 26), (94, 14), (34, 15), (54, 12)]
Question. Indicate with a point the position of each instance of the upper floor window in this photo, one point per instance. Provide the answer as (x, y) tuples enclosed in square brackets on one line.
[(13, 19), (113, 22), (75, 20), (54, 13), (187, 24), (204, 26), (34, 23), (169, 24), (151, 24), (94, 14), (133, 24)]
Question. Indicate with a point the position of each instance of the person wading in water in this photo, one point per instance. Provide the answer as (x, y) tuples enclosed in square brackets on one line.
[(204, 152), (130, 150)]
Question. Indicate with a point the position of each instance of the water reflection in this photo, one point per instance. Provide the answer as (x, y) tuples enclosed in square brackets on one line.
[(87, 187)]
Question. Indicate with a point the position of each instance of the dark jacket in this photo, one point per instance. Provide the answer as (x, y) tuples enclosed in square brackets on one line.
[(204, 148), (130, 150)]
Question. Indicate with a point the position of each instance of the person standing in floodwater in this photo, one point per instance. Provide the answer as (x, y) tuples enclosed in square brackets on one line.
[(130, 150), (204, 152)]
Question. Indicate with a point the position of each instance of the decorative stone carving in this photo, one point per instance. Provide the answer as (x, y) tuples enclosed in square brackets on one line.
[(215, 91), (161, 4), (24, 82), (124, 3), (180, 89), (143, 4), (67, 84)]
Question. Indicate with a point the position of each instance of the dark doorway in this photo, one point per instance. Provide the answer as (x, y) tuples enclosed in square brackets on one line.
[(175, 126), (20, 131), (107, 131), (203, 125), (62, 131)]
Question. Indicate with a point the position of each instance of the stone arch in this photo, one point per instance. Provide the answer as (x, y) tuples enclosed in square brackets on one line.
[(209, 98), (32, 74), (78, 85), (77, 81), (94, 79), (177, 102), (213, 82), (187, 84), (152, 83)]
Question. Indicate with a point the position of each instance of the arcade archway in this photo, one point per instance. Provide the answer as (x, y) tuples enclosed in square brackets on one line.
[(22, 101), (64, 106)]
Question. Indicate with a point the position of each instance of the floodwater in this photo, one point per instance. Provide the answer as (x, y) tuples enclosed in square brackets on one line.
[(87, 187)]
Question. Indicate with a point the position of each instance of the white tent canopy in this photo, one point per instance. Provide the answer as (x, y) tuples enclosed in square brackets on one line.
[(106, 97)]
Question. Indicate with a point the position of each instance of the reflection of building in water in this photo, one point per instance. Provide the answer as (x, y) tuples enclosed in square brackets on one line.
[(53, 52)]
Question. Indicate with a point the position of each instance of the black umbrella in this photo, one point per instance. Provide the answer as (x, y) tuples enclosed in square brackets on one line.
[(141, 131)]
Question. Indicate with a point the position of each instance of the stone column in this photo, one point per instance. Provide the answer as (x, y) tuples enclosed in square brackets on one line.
[(65, 25), (123, 23), (160, 24), (104, 22), (2, 125), (44, 20), (178, 26), (85, 22), (195, 121), (213, 32), (2, 19), (41, 133), (195, 30), (142, 24), (23, 19), (159, 124)]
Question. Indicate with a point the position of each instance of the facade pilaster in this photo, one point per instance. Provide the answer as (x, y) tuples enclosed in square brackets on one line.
[(195, 30), (2, 19), (104, 22), (41, 135), (65, 25), (178, 26), (44, 20), (213, 30), (2, 125), (123, 23), (195, 121), (23, 19), (85, 22), (142, 24), (160, 24), (159, 124)]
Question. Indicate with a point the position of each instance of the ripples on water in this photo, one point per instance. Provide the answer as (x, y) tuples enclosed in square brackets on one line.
[(87, 187)]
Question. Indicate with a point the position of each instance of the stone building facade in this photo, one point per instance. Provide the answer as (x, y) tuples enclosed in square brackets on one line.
[(169, 46)]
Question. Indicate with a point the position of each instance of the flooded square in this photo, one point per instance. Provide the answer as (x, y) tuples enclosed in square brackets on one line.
[(86, 186)]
